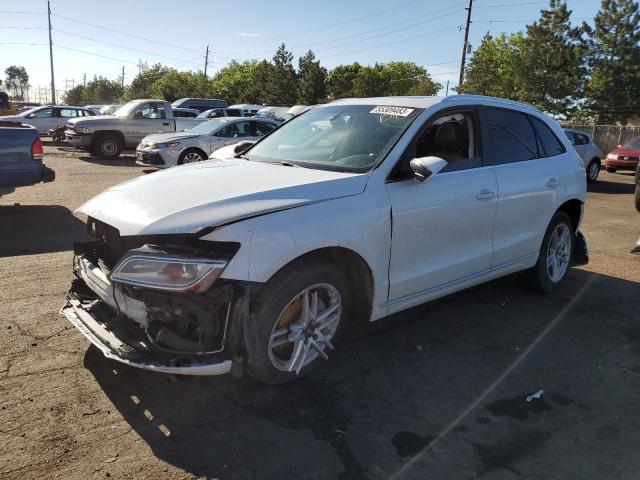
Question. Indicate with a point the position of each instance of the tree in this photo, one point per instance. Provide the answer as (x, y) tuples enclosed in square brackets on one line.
[(407, 78), (242, 82), (140, 87), (549, 68), (613, 89), (340, 81), (311, 80), (491, 69), (98, 91), (17, 79), (369, 82), (282, 85), (74, 95), (173, 85)]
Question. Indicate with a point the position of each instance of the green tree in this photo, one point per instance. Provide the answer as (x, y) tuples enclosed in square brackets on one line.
[(74, 96), (491, 69), (613, 89), (312, 77), (172, 85), (407, 78), (340, 81), (243, 82), (369, 82), (283, 83), (101, 91), (549, 68), (140, 87), (17, 79)]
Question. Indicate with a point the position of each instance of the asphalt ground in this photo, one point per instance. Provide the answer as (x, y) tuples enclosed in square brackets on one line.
[(437, 392)]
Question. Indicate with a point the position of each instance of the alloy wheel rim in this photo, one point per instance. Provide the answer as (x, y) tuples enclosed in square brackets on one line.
[(558, 253), (191, 157), (304, 329), (593, 171)]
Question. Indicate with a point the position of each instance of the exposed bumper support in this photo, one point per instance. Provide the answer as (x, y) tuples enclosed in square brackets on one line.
[(112, 347), (580, 251)]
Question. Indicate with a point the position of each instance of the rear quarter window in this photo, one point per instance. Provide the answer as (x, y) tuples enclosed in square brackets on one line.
[(549, 143), (510, 137)]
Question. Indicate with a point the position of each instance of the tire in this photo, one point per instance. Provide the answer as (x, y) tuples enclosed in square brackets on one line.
[(279, 301), (593, 170), (611, 170), (107, 146), (543, 276), (191, 155), (637, 197)]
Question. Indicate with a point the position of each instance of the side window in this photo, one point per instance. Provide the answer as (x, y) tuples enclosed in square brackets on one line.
[(452, 137), (44, 113), (571, 136), (581, 139), (68, 112), (234, 112), (263, 128), (550, 144), (151, 111), (510, 137)]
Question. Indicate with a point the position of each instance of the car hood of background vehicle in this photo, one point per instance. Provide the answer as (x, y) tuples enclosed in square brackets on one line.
[(629, 152), (167, 137), (188, 198)]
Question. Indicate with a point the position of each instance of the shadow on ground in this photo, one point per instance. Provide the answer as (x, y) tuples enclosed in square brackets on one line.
[(122, 161), (604, 186), (385, 395), (31, 229)]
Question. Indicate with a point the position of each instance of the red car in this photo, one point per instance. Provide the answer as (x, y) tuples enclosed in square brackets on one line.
[(625, 157)]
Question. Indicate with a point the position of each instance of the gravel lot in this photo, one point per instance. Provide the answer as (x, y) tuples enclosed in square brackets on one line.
[(451, 376)]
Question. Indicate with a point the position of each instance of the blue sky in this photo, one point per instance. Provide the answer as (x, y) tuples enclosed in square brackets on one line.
[(176, 33)]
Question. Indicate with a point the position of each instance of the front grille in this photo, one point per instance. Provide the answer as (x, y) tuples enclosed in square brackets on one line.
[(627, 158)]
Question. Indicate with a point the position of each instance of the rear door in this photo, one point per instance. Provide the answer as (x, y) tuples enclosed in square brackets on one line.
[(528, 177), (66, 114)]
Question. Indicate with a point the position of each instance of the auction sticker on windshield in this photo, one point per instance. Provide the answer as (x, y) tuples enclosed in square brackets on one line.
[(392, 111)]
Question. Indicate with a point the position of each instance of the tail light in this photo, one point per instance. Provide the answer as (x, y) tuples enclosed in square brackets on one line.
[(37, 152)]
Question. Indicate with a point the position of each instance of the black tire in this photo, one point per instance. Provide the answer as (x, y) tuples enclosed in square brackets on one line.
[(637, 197), (272, 299), (107, 146), (191, 152), (539, 275), (593, 170), (611, 170)]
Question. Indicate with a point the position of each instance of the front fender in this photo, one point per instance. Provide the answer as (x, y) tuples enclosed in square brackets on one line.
[(360, 223)]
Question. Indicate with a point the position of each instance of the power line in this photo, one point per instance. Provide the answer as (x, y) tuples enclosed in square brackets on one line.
[(24, 28), (13, 12)]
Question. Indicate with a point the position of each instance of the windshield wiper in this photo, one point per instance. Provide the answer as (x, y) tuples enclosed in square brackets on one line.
[(283, 162)]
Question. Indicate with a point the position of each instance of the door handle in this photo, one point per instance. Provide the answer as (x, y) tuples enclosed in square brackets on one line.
[(553, 182), (486, 194)]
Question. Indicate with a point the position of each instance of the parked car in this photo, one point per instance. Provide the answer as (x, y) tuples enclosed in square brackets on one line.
[(200, 104), (248, 109), (588, 151), (110, 109), (48, 117), (21, 156), (273, 112), (185, 112), (625, 157), (95, 108), (222, 112), (106, 136), (295, 111), (164, 150), (258, 263)]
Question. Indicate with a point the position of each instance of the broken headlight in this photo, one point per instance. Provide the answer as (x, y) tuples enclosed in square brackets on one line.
[(158, 269)]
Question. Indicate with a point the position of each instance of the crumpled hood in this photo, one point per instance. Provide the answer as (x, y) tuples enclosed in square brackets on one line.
[(188, 198), (167, 137)]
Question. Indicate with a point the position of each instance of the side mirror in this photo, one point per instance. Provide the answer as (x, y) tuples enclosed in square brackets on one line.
[(242, 147), (31, 115), (424, 167)]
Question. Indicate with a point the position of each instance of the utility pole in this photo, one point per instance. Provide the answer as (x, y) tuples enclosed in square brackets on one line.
[(84, 80), (122, 79), (466, 42), (53, 83), (206, 63), (447, 92)]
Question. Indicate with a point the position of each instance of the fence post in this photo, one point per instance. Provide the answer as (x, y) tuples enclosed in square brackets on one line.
[(620, 135)]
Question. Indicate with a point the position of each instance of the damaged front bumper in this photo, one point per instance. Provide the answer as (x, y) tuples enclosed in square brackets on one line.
[(116, 320)]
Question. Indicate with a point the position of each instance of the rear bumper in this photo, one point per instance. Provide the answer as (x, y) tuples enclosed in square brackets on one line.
[(95, 307)]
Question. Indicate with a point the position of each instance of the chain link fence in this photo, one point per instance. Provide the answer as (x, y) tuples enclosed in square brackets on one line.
[(607, 137)]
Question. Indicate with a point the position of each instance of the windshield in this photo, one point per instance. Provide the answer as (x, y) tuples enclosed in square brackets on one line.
[(350, 138), (208, 127), (126, 109), (633, 143)]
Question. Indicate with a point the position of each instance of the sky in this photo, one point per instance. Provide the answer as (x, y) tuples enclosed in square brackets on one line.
[(92, 37)]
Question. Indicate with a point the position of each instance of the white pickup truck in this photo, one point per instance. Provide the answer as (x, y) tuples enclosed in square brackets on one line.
[(107, 135)]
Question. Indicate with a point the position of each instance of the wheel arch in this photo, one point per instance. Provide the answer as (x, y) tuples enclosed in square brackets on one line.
[(192, 149), (573, 208), (101, 133), (353, 265)]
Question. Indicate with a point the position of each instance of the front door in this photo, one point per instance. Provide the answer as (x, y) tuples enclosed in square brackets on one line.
[(149, 118), (43, 119), (442, 228)]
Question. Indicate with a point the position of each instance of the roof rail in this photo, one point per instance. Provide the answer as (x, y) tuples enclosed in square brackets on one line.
[(466, 96)]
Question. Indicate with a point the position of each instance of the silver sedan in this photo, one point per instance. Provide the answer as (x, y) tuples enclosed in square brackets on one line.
[(163, 150)]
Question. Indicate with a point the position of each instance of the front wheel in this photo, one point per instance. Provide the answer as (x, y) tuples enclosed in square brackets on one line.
[(611, 170), (108, 146), (299, 316), (593, 170), (555, 254), (191, 156)]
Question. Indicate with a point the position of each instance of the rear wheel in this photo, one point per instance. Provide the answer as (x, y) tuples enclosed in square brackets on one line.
[(299, 315), (107, 146), (611, 170), (555, 254), (593, 170), (191, 156)]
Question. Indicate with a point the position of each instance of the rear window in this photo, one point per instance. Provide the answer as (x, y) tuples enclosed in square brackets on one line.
[(550, 145), (510, 137)]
